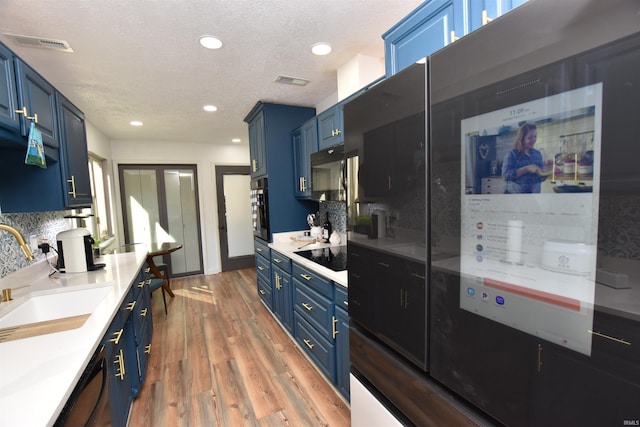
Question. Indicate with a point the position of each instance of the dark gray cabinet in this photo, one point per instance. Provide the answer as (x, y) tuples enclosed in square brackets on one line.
[(386, 294)]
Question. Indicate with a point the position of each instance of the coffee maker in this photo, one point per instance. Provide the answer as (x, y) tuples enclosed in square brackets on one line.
[(75, 251)]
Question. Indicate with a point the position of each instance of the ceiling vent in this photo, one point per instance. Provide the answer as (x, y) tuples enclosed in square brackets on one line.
[(40, 42), (291, 81)]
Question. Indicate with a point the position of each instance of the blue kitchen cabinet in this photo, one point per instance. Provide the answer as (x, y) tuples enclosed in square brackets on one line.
[(38, 97), (281, 286), (64, 183), (305, 142), (128, 346), (428, 28), (433, 25), (257, 147), (9, 120), (270, 127), (74, 156), (314, 320), (331, 127), (263, 272)]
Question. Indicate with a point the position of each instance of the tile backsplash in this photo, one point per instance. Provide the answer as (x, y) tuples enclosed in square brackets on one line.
[(44, 225)]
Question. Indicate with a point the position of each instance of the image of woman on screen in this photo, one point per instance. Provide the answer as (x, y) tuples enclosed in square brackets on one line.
[(522, 166)]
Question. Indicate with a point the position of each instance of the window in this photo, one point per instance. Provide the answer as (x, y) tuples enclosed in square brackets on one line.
[(102, 226)]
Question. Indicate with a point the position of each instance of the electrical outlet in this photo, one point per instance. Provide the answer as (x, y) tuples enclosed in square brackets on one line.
[(33, 242)]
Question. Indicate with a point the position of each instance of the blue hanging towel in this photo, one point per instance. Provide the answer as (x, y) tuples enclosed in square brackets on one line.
[(35, 148)]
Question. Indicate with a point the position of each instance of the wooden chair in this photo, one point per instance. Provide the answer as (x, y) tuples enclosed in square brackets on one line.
[(158, 283)]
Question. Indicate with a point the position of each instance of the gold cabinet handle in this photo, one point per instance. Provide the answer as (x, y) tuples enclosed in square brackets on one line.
[(336, 132), (118, 334), (25, 113), (262, 292), (120, 372), (346, 303), (307, 306), (72, 181), (305, 276), (334, 322), (131, 306), (141, 284), (308, 343), (453, 37), (259, 249), (147, 270), (278, 286), (261, 268), (255, 165), (485, 18), (609, 337), (143, 313), (277, 260), (148, 282), (304, 184), (147, 349)]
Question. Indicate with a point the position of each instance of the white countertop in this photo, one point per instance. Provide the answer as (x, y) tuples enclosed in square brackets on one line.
[(38, 374), (283, 243)]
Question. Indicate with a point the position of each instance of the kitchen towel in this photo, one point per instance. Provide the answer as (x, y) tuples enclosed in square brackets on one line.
[(35, 148)]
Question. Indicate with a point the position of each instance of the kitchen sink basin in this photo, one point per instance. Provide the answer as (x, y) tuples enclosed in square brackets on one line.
[(39, 307)]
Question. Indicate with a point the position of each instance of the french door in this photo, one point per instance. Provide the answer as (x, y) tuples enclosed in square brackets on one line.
[(160, 204)]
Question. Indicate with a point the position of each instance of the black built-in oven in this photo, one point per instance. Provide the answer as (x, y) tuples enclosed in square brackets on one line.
[(260, 208)]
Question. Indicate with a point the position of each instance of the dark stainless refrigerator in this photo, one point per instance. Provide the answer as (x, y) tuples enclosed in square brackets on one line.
[(535, 289)]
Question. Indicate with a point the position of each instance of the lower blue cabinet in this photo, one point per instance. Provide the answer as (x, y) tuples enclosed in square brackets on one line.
[(128, 346), (319, 348), (313, 309)]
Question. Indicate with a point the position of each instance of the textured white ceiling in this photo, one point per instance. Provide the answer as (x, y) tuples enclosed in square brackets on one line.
[(140, 60)]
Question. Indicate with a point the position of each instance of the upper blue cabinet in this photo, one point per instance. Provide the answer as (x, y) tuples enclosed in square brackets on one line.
[(434, 24), (330, 127), (9, 120)]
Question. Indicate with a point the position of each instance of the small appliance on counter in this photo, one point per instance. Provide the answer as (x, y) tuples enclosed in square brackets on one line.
[(75, 251), (378, 225)]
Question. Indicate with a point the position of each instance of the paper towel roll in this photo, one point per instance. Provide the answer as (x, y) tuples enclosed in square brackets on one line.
[(514, 241)]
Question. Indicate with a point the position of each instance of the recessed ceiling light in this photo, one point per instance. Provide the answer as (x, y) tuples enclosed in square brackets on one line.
[(210, 42), (210, 108), (321, 49), (135, 123), (236, 140)]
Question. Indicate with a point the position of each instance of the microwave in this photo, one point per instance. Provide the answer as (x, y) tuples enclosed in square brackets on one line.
[(328, 175)]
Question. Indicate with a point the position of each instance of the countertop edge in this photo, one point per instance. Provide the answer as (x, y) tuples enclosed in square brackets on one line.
[(45, 369)]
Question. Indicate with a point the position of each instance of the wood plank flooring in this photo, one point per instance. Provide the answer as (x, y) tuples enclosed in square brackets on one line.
[(220, 359)]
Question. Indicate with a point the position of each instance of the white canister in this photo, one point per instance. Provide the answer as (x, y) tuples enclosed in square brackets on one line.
[(316, 232)]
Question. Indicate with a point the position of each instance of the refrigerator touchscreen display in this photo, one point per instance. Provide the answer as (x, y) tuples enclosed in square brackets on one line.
[(529, 215)]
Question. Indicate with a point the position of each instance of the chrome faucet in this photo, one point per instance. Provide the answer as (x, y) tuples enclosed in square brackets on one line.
[(26, 250)]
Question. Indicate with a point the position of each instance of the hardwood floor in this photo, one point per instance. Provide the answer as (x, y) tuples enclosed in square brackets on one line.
[(220, 359)]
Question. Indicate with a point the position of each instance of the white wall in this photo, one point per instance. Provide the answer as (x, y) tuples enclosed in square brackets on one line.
[(205, 156)]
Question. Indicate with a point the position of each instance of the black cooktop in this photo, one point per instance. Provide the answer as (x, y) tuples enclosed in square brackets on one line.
[(333, 257)]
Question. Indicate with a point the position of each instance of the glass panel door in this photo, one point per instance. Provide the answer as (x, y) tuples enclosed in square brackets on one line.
[(160, 205)]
